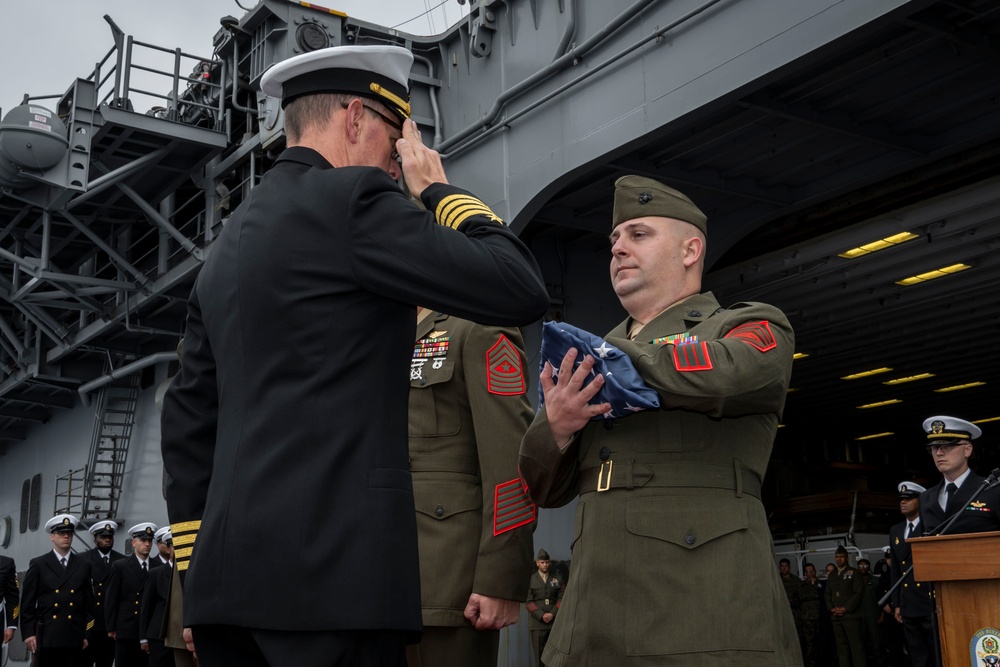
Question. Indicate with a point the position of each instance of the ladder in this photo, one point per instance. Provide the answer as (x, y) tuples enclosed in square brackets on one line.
[(114, 418)]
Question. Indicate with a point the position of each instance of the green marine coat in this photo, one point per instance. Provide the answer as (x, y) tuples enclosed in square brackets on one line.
[(467, 413), (672, 561)]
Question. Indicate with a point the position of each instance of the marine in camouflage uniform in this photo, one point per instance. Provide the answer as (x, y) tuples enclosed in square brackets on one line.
[(468, 410), (672, 556)]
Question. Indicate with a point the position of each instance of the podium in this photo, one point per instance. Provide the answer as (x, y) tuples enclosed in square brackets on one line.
[(965, 570)]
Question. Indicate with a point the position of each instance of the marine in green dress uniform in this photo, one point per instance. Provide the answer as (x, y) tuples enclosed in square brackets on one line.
[(672, 556), (468, 410), (544, 597), (844, 594)]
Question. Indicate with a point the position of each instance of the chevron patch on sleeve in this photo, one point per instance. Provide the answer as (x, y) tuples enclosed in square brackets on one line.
[(755, 334), (504, 374), (511, 507), (692, 357)]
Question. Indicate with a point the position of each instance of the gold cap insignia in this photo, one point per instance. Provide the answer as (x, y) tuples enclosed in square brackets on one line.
[(937, 427)]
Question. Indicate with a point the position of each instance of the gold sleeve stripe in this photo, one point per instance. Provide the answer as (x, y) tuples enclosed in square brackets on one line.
[(453, 210), (90, 625), (182, 565), (463, 213), (17, 611), (185, 527), (446, 210), (184, 539), (184, 553)]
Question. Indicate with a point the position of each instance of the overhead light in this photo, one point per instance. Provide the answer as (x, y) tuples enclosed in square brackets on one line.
[(799, 355), (931, 275), (956, 387), (881, 244), (909, 378), (874, 371), (988, 419), (879, 404), (874, 435)]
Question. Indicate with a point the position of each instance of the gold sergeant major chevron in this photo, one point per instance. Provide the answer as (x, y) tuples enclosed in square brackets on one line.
[(453, 210)]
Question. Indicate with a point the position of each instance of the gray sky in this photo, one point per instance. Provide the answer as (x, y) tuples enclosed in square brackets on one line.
[(44, 46)]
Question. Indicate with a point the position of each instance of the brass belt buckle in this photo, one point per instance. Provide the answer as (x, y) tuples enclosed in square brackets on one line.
[(604, 482)]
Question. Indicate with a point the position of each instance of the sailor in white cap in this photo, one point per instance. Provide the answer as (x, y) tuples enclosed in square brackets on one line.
[(949, 442), (57, 604), (265, 380), (911, 600), (101, 648), (125, 587), (163, 555), (154, 604)]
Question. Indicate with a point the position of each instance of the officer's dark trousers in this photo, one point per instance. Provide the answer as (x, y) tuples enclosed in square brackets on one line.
[(128, 653), (100, 651), (850, 642), (226, 646), (919, 634), (60, 657), (464, 646), (159, 654)]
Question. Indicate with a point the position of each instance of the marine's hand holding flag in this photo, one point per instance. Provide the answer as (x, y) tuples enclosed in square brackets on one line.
[(584, 378)]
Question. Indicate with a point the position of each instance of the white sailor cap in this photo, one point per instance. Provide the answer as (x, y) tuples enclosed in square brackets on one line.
[(910, 490), (144, 531), (380, 72), (949, 430), (162, 534), (103, 528), (61, 523)]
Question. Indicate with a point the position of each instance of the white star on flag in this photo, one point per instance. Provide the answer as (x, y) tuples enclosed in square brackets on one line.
[(632, 408), (603, 350)]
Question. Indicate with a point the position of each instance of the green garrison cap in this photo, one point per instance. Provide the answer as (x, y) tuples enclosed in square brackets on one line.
[(542, 555), (638, 197)]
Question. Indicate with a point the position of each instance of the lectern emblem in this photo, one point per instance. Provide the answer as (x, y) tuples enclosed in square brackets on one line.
[(985, 648)]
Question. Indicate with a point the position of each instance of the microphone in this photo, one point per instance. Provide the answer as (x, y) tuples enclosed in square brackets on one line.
[(994, 479)]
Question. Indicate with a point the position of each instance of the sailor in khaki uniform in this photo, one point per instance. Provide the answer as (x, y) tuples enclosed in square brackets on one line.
[(467, 413), (672, 555)]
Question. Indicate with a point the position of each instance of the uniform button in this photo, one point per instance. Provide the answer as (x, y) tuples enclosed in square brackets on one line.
[(439, 511), (56, 605), (72, 591), (689, 538), (57, 590), (423, 381), (605, 453), (609, 424), (694, 313), (54, 617), (70, 616), (70, 604)]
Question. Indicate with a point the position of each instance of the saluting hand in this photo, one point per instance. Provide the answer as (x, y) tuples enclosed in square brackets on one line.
[(487, 613), (566, 403), (421, 165)]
